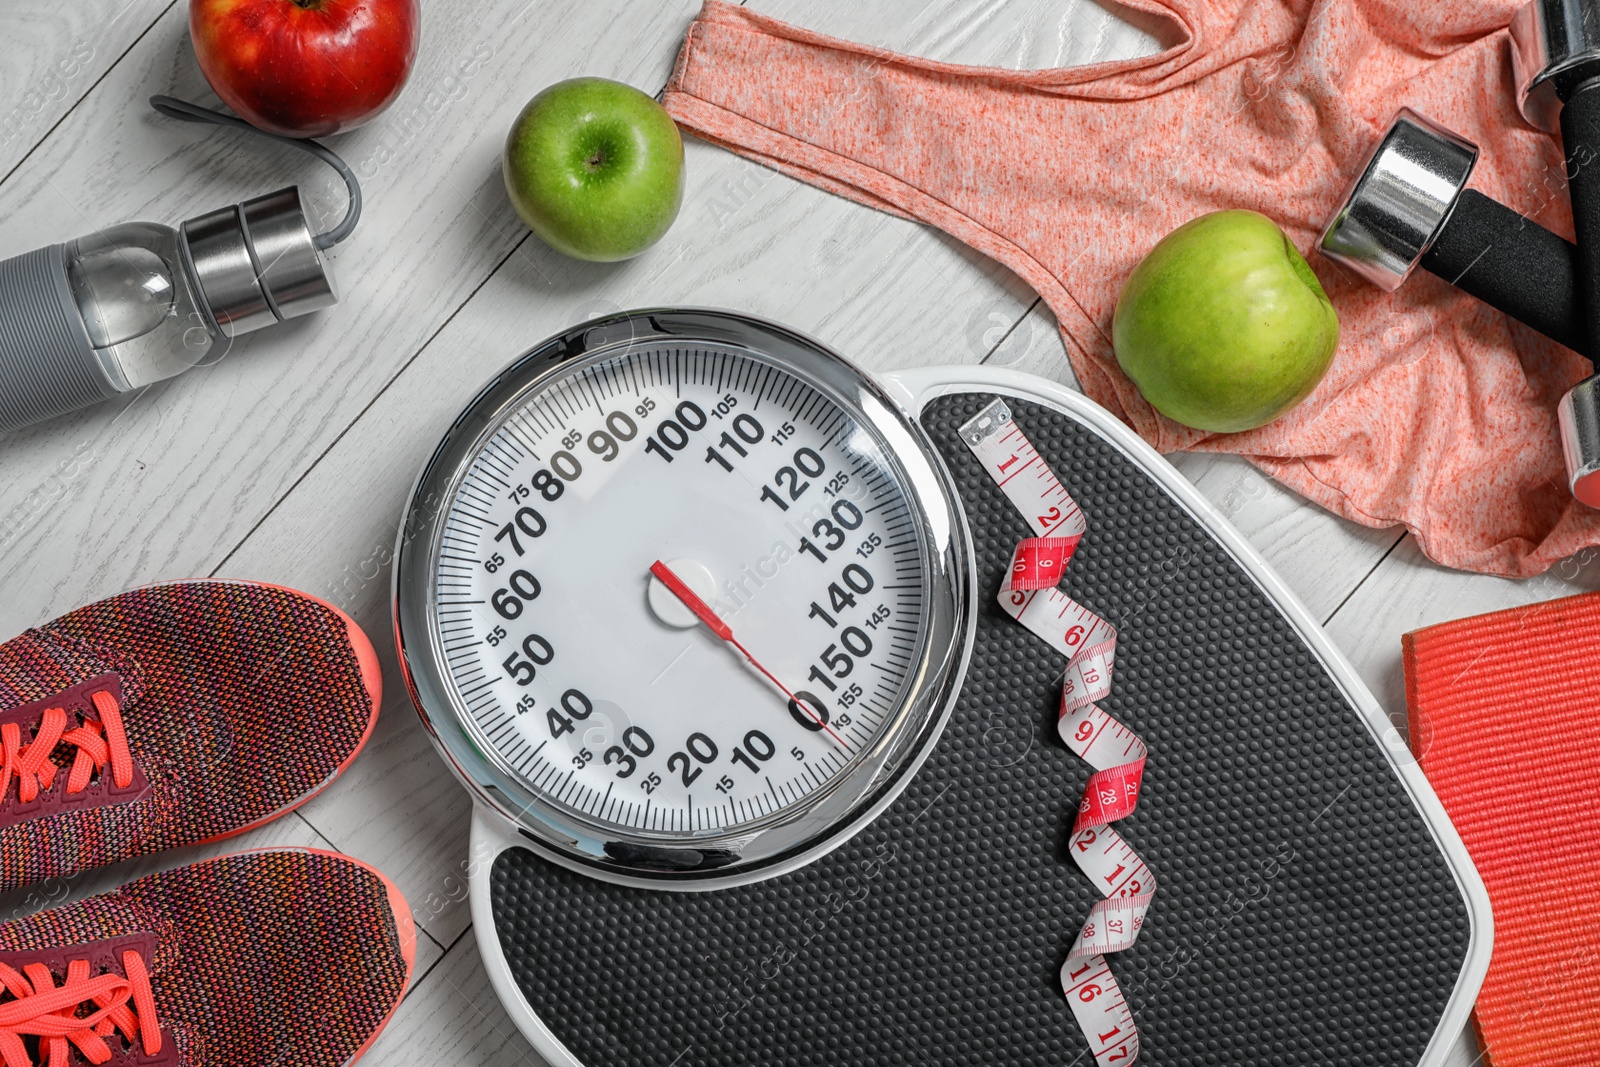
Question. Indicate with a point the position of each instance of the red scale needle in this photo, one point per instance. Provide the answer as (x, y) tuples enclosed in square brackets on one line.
[(703, 612)]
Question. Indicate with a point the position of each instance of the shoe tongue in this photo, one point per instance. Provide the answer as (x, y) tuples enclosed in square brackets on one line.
[(38, 664)]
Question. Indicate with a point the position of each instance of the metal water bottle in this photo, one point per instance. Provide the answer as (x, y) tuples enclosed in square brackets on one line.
[(137, 303)]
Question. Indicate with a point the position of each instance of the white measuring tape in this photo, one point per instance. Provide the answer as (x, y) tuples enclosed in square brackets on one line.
[(1030, 596)]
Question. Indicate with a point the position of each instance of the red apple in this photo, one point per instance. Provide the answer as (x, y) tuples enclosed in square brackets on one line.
[(305, 68)]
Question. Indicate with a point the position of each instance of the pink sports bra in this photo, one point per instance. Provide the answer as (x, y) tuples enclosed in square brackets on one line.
[(1438, 413)]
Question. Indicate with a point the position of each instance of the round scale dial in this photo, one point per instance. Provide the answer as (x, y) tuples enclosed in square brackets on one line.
[(677, 596)]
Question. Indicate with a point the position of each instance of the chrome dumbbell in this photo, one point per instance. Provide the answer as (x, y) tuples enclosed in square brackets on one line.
[(1555, 58), (1409, 207)]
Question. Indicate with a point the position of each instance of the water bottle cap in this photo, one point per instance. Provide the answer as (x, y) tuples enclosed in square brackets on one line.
[(1400, 200), (257, 264)]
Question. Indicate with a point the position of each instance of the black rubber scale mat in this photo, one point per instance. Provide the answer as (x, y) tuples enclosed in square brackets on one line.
[(1304, 913)]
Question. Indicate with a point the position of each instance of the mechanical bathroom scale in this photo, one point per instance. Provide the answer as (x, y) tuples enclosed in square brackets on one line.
[(845, 840)]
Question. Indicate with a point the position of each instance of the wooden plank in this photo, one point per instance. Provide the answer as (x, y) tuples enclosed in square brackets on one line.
[(452, 1017), (54, 54), (1465, 1052), (190, 466)]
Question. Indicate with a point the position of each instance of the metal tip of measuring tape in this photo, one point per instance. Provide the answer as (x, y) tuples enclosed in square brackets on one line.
[(986, 423)]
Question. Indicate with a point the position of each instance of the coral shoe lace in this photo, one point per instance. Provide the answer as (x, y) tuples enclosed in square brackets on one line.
[(99, 742), (81, 1012)]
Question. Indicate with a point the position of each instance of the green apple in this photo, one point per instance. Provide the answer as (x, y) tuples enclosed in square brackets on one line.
[(595, 168), (1223, 326)]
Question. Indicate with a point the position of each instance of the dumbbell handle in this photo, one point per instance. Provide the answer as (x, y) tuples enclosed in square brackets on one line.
[(1517, 266), (1410, 207), (1514, 265), (1580, 135)]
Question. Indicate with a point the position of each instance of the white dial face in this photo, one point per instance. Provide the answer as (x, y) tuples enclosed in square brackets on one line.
[(593, 680)]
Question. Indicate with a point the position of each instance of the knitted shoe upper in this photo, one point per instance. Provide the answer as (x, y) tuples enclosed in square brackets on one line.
[(239, 701), (259, 958)]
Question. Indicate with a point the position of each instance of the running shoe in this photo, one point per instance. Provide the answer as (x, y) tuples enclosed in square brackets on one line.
[(259, 959), (172, 715)]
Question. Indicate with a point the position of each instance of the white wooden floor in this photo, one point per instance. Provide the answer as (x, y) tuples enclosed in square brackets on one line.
[(288, 461)]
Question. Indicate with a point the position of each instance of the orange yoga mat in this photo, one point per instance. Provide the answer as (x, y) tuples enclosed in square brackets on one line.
[(1505, 719)]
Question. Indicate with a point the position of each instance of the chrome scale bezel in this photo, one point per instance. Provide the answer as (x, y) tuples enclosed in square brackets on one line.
[(810, 828)]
